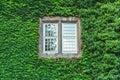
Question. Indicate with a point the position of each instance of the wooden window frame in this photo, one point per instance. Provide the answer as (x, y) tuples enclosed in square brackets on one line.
[(59, 21)]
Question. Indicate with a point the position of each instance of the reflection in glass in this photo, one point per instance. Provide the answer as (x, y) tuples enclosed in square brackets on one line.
[(50, 34), (50, 29), (50, 44)]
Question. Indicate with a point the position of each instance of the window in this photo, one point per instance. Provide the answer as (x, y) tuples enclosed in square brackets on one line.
[(50, 37), (60, 37)]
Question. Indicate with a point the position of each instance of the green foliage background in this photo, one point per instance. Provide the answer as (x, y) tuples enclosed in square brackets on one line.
[(19, 22)]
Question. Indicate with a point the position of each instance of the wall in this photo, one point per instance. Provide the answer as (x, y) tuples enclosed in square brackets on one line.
[(19, 21)]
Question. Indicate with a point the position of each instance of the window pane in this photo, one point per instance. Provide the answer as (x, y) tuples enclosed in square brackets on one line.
[(69, 38), (69, 44), (50, 29), (50, 38), (50, 44), (69, 29)]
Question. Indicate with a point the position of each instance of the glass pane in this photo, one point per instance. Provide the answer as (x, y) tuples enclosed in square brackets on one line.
[(69, 38), (69, 29), (50, 29), (51, 44), (69, 44)]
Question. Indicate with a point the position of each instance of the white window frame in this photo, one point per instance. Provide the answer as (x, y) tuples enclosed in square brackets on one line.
[(76, 45), (44, 37)]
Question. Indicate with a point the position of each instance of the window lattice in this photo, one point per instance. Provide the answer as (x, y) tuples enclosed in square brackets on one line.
[(50, 37)]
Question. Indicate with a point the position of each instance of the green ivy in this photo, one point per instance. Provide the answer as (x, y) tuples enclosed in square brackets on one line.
[(19, 23)]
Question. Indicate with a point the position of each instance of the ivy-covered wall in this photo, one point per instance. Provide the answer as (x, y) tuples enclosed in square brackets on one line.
[(19, 22)]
